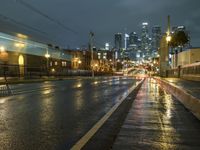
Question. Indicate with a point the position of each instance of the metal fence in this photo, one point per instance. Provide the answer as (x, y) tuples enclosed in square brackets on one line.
[(27, 72), (187, 70)]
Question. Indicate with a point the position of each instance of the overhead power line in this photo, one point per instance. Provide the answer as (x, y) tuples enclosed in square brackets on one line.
[(25, 26), (34, 9)]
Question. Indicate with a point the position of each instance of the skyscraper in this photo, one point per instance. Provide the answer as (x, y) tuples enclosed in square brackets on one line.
[(145, 41), (118, 45), (133, 45), (156, 37), (118, 41), (133, 39)]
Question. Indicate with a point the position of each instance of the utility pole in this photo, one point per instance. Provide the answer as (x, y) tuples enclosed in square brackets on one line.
[(91, 50), (168, 25)]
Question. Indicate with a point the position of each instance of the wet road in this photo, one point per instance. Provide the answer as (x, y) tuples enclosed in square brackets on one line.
[(54, 115), (158, 121)]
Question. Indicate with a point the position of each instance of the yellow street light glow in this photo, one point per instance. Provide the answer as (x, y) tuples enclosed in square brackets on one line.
[(2, 49), (22, 36), (79, 62), (168, 38), (19, 45), (79, 85), (21, 60), (47, 55), (53, 70)]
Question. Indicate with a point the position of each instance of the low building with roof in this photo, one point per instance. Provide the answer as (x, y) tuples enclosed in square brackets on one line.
[(22, 56)]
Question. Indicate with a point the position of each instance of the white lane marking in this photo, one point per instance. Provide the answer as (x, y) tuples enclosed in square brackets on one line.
[(96, 127)]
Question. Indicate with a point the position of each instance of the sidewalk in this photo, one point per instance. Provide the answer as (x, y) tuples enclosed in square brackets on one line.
[(192, 87), (158, 121)]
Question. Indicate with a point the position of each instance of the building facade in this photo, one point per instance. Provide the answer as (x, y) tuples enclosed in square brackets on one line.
[(118, 46), (23, 56), (145, 41), (156, 37)]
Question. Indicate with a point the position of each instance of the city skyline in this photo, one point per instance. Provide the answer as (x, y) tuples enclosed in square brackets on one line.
[(117, 74), (72, 29)]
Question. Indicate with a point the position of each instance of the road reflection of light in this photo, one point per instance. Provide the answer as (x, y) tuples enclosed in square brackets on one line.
[(47, 91), (3, 100), (79, 100), (79, 85), (47, 113), (164, 101), (171, 80), (168, 105)]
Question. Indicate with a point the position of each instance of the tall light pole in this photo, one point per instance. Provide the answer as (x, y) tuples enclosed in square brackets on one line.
[(168, 39), (47, 56), (91, 49)]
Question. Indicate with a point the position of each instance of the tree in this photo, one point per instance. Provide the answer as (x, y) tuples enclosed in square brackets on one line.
[(179, 38)]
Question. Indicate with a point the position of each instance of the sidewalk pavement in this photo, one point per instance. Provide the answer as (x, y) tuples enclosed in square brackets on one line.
[(158, 121), (192, 87)]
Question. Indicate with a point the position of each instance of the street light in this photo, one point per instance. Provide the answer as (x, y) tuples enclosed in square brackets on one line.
[(47, 56), (168, 38), (79, 62), (96, 67), (19, 45), (2, 49), (91, 49)]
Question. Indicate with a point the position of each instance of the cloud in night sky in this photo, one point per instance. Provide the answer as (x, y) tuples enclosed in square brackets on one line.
[(103, 17)]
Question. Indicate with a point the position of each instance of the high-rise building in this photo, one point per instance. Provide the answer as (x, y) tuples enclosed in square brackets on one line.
[(145, 41), (118, 45), (118, 41), (107, 46), (133, 39), (126, 41), (133, 45), (156, 37)]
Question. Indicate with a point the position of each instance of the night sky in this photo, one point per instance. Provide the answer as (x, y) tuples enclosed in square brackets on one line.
[(67, 23)]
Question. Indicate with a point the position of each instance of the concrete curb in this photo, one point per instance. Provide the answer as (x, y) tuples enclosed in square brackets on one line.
[(190, 102)]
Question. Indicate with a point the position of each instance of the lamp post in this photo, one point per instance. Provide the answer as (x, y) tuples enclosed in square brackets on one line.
[(168, 39), (3, 57), (79, 63), (164, 51), (47, 56), (91, 49)]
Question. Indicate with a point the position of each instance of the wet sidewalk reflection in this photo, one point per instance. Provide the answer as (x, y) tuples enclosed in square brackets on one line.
[(158, 121)]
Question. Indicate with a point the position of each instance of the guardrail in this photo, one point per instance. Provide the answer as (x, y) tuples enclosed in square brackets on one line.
[(186, 71)]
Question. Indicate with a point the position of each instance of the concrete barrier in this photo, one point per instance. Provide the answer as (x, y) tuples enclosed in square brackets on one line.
[(190, 102)]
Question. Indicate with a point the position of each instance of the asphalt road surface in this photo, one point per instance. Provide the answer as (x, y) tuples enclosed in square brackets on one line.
[(55, 115)]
